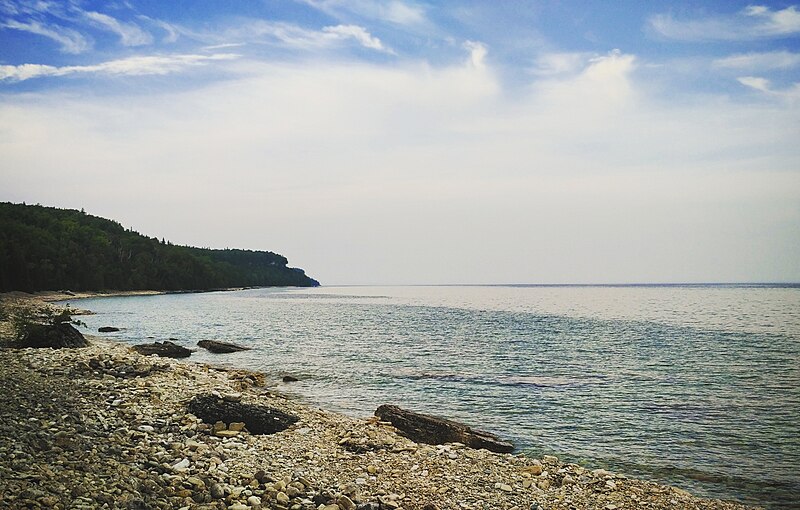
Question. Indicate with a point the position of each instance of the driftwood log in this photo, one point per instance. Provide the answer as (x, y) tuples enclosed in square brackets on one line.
[(257, 418), (165, 349), (424, 428), (221, 347)]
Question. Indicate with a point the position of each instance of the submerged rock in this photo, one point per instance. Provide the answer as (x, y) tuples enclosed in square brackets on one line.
[(424, 428), (165, 349), (107, 329), (290, 378), (258, 419), (221, 347)]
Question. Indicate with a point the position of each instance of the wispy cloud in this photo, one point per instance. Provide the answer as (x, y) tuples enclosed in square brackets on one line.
[(753, 22), (297, 37), (133, 66), (129, 34), (395, 11), (764, 85), (70, 40), (760, 61)]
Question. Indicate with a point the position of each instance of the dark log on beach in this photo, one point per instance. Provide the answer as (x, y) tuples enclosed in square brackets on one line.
[(424, 428), (54, 336), (164, 349), (107, 329), (257, 418), (221, 347)]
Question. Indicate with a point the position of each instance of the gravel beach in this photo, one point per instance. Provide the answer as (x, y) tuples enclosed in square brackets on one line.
[(105, 427)]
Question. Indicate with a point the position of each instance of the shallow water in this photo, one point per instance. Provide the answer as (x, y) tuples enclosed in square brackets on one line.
[(694, 386)]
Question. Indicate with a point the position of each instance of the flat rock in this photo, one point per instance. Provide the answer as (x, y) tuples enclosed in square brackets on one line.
[(165, 349), (258, 419), (424, 428), (107, 329), (221, 347)]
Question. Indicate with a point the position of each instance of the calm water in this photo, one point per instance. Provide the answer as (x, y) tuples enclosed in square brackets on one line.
[(694, 386)]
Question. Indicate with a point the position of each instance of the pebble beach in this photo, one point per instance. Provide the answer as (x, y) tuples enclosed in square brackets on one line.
[(105, 427)]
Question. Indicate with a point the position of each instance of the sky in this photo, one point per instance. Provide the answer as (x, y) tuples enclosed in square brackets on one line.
[(410, 142)]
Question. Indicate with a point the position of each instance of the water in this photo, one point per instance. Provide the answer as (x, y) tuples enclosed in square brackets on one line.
[(693, 386)]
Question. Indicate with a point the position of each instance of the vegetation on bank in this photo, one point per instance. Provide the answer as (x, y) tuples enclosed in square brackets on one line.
[(45, 248)]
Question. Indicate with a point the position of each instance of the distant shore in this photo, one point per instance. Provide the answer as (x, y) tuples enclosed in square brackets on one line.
[(78, 430)]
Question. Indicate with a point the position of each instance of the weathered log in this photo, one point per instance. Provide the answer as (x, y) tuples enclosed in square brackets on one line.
[(165, 349), (257, 418), (54, 336), (221, 347), (107, 329), (424, 428)]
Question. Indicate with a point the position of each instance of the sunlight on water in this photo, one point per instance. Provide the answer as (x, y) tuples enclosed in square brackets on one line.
[(694, 386)]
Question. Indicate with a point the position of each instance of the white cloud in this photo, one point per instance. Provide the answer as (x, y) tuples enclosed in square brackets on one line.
[(754, 22), (360, 166), (355, 32), (477, 53), (764, 85), (70, 40), (760, 61), (132, 66), (297, 37), (129, 34), (394, 11), (560, 63)]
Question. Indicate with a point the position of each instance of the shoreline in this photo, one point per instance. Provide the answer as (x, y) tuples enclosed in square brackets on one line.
[(140, 427)]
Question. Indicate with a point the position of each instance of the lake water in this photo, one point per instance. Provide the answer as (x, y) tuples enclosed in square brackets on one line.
[(693, 386)]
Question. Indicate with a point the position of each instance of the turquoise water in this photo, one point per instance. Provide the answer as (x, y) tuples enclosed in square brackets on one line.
[(693, 386)]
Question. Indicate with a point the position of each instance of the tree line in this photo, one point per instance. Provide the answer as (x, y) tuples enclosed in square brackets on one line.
[(45, 248)]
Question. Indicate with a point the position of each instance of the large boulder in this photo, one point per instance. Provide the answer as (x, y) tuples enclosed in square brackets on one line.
[(258, 419), (220, 347), (55, 336), (424, 428), (165, 349)]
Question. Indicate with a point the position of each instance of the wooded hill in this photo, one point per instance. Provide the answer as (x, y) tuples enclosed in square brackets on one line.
[(45, 248)]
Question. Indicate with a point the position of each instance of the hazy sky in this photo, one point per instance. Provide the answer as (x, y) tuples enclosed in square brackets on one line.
[(420, 142)]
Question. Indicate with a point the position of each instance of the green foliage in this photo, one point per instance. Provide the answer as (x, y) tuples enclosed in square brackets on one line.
[(44, 248)]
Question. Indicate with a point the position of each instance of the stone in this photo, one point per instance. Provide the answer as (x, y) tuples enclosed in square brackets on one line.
[(217, 491), (289, 378), (567, 480), (424, 428), (221, 347), (258, 419), (107, 329), (165, 349), (253, 500), (345, 503), (55, 336), (236, 426), (282, 498)]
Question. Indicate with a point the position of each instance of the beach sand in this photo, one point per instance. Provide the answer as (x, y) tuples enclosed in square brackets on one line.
[(104, 427)]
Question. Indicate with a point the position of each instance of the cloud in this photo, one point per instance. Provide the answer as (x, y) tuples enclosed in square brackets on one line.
[(395, 11), (754, 22), (760, 84), (586, 175), (355, 32), (133, 66), (297, 37), (70, 40), (560, 63), (477, 53), (129, 34), (760, 61)]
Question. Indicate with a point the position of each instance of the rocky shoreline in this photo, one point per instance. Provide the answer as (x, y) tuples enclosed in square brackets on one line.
[(105, 427)]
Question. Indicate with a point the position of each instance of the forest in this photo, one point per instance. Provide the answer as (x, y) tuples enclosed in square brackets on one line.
[(45, 248)]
